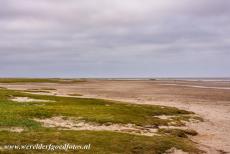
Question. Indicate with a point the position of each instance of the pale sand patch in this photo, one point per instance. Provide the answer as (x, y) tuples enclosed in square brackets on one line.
[(165, 117), (192, 117), (71, 124), (173, 127), (175, 151), (13, 129), (27, 99)]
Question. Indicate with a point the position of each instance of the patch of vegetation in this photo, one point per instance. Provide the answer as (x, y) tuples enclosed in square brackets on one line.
[(14, 114), (48, 89), (36, 91), (179, 120), (92, 110), (197, 118), (74, 94), (39, 80), (42, 89), (178, 132), (102, 142)]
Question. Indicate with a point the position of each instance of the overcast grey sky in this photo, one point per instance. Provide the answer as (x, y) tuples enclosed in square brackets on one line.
[(114, 38)]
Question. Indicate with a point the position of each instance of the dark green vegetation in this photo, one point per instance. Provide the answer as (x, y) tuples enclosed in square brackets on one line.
[(36, 91), (102, 142), (40, 90), (15, 114), (39, 80), (178, 132), (74, 94)]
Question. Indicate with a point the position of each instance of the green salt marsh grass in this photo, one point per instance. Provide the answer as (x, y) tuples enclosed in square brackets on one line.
[(15, 114)]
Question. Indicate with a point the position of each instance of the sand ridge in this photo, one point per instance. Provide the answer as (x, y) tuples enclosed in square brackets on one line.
[(67, 123)]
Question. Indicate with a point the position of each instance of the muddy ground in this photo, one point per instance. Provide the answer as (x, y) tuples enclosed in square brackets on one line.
[(209, 99)]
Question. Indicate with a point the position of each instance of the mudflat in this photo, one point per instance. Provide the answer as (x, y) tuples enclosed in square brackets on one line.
[(208, 99)]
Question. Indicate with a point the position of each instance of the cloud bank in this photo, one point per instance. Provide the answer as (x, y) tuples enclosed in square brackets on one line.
[(114, 38)]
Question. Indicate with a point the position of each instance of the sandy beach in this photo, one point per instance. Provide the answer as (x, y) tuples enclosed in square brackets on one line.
[(209, 99)]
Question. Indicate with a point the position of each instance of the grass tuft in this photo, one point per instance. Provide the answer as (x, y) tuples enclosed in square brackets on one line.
[(178, 132)]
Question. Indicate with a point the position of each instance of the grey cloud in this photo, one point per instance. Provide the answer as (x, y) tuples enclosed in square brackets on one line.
[(114, 38)]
